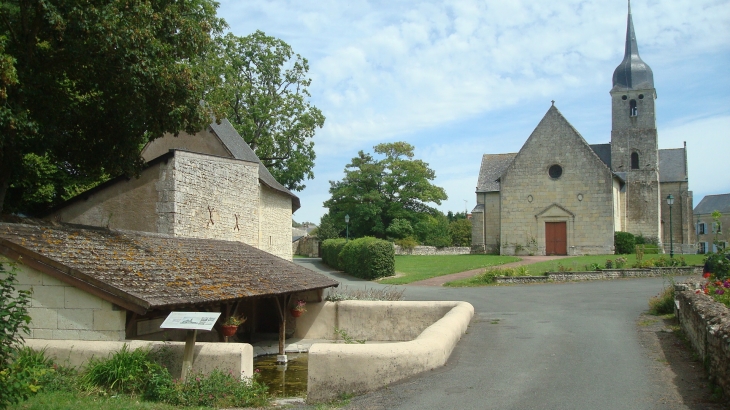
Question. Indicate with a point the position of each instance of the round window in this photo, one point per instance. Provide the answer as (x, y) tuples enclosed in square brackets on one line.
[(641, 96), (555, 171), (623, 97)]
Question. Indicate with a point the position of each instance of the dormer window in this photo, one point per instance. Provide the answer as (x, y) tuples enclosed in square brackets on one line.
[(634, 160), (633, 111)]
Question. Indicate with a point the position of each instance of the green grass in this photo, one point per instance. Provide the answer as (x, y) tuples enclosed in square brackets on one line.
[(577, 263), (415, 268), (78, 401)]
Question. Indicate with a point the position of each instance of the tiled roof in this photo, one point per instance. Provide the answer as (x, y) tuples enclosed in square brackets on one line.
[(240, 150), (672, 165), (149, 271), (493, 165), (711, 203)]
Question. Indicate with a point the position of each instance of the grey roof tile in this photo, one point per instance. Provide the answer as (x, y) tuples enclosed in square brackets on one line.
[(157, 271), (711, 203), (672, 165), (604, 152), (493, 166)]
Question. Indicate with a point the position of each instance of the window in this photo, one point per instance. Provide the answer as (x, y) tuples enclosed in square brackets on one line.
[(634, 160), (702, 247), (633, 111), (555, 171), (701, 230)]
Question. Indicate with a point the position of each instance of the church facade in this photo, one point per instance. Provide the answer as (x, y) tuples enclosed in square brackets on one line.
[(570, 201)]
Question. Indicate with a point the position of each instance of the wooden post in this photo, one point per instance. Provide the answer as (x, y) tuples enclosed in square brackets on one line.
[(282, 328), (187, 364)]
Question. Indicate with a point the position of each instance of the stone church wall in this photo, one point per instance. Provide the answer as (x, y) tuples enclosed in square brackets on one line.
[(202, 196), (581, 197), (60, 311), (683, 221)]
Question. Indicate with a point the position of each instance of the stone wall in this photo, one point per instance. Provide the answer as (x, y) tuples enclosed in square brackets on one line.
[(581, 196), (306, 246), (61, 311), (432, 250), (275, 223), (706, 324), (602, 274)]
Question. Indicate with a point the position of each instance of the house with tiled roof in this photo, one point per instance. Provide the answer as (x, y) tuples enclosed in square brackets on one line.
[(560, 195), (205, 185), (94, 283), (712, 234)]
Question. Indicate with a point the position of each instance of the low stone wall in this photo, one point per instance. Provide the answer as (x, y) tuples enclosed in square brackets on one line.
[(602, 274), (431, 329), (234, 357), (432, 250), (706, 324)]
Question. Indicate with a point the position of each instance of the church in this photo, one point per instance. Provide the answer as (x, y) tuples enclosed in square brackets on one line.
[(560, 195)]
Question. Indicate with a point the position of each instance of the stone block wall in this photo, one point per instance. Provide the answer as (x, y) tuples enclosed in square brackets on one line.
[(202, 196), (432, 250), (275, 223), (601, 275), (706, 324), (60, 311)]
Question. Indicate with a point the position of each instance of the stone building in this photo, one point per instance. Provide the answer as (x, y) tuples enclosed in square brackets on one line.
[(711, 233), (100, 284), (207, 185), (560, 195)]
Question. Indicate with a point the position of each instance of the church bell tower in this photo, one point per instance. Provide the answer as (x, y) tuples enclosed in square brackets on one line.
[(634, 139)]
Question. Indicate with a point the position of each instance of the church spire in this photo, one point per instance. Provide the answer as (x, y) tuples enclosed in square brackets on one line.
[(633, 72)]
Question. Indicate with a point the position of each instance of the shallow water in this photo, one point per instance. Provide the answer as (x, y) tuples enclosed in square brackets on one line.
[(288, 380)]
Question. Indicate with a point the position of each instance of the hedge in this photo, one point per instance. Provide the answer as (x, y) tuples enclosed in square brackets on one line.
[(624, 243), (366, 258), (331, 249)]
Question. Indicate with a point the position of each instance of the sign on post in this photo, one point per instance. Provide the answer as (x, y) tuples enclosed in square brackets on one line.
[(192, 322)]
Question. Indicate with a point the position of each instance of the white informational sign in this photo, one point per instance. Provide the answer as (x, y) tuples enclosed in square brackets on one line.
[(190, 320)]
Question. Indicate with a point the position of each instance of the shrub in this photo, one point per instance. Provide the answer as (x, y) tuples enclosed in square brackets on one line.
[(331, 249), (408, 243), (718, 264), (368, 258), (126, 371), (609, 264), (14, 320), (624, 243), (620, 262), (663, 303), (218, 389)]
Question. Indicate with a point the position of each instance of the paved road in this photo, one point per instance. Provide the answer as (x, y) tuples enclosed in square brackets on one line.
[(548, 346)]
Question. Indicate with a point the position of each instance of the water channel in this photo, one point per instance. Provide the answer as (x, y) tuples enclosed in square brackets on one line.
[(287, 380)]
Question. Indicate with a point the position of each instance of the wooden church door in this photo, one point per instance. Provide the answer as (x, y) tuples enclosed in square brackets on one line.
[(556, 238)]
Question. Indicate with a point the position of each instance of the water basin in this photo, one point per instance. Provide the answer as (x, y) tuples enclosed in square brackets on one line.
[(288, 380)]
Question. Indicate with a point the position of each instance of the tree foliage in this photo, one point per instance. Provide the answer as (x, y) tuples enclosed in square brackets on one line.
[(83, 84), (264, 95), (376, 192), (460, 230)]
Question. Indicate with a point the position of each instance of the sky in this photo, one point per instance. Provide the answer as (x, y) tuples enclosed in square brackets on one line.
[(459, 79)]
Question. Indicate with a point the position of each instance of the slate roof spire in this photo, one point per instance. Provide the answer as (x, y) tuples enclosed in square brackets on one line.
[(633, 73)]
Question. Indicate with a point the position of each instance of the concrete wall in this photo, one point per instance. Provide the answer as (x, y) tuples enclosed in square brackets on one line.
[(236, 358), (60, 311), (706, 324), (428, 331), (432, 250)]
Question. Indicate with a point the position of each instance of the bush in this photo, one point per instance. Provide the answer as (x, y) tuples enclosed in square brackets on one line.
[(368, 258), (14, 320), (126, 371), (218, 389), (331, 249), (718, 264), (663, 303), (624, 243), (408, 243)]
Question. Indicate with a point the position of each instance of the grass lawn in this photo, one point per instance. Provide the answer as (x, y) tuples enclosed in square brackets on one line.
[(414, 268), (577, 263), (80, 401)]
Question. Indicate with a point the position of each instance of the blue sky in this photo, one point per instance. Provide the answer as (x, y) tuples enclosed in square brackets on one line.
[(458, 79)]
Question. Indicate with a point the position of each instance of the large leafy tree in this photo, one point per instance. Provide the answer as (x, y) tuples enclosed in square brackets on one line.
[(264, 95), (377, 192), (83, 84)]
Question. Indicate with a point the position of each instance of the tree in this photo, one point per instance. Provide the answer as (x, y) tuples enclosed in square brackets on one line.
[(376, 192), (264, 95), (326, 229), (84, 84), (460, 230)]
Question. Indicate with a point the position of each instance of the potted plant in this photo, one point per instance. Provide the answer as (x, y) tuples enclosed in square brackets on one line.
[(230, 326), (299, 308)]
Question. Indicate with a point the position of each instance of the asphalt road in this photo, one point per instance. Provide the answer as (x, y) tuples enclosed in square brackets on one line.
[(547, 346)]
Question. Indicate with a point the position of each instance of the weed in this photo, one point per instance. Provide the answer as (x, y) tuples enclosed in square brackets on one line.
[(347, 338), (663, 303), (388, 293), (126, 371)]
